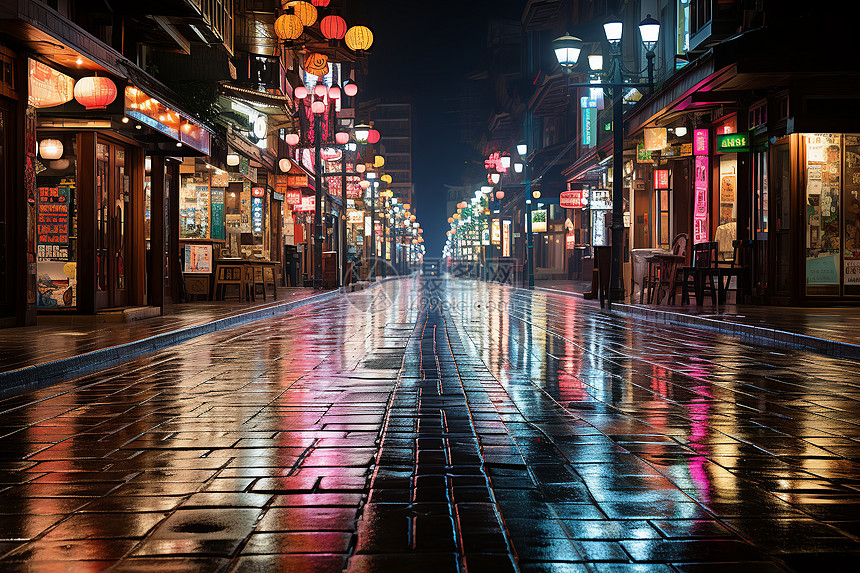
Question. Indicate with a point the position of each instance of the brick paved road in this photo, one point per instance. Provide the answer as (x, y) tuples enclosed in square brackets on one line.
[(499, 431)]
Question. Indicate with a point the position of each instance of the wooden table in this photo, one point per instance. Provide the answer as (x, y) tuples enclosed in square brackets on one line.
[(669, 264)]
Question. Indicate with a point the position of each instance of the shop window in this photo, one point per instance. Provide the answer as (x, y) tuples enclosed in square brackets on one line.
[(823, 174), (56, 227), (727, 207), (851, 214), (682, 38)]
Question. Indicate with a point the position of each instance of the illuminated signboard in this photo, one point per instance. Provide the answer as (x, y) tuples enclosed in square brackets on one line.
[(569, 242), (151, 112), (571, 199), (258, 191), (661, 179), (506, 238), (355, 217), (700, 207), (496, 232), (257, 215), (47, 87), (733, 143), (700, 142)]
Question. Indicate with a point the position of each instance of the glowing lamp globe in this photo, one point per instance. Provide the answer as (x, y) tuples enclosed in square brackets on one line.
[(333, 27), (292, 139), (494, 178), (536, 194), (450, 219), (373, 136), (320, 3), (318, 107), (301, 92), (95, 92), (359, 38), (362, 131), (288, 27), (500, 195), (334, 92), (319, 90), (350, 89), (232, 159), (305, 11), (378, 161), (567, 49), (341, 137), (284, 165), (364, 183), (51, 148)]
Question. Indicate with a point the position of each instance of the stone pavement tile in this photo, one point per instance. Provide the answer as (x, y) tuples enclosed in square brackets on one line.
[(104, 526), (226, 499), (317, 500), (610, 530), (66, 550), (130, 504), (309, 542), (207, 524), (554, 567), (688, 529), (739, 567), (308, 519), (499, 563), (692, 551), (90, 566), (292, 563), (195, 547), (173, 564), (414, 563), (530, 549), (25, 527)]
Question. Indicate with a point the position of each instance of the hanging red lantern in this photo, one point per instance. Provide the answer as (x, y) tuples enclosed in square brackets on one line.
[(373, 136), (341, 137), (333, 27), (95, 92), (320, 3)]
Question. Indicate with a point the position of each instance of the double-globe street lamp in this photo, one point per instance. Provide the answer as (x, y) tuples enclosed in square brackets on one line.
[(567, 50)]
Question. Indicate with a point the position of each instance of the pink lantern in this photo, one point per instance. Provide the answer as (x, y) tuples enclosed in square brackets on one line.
[(334, 92), (500, 195), (318, 107), (350, 89), (292, 139), (301, 92), (360, 168), (319, 90), (341, 137), (95, 92), (373, 136)]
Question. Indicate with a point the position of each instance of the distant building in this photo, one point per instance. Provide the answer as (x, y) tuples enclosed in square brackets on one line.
[(393, 120)]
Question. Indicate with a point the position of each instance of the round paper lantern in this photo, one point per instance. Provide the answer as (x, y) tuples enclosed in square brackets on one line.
[(373, 136), (320, 3), (500, 195), (318, 107), (284, 165), (334, 92), (364, 183), (61, 164), (316, 64), (289, 27), (319, 90), (341, 137), (292, 139), (360, 168), (95, 92), (301, 92), (350, 89), (333, 27), (51, 148), (305, 11), (359, 38)]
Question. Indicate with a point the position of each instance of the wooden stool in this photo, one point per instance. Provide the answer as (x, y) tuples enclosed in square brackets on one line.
[(269, 278), (228, 274), (254, 277)]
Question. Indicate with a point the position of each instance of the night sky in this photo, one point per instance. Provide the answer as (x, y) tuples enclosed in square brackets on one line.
[(426, 51)]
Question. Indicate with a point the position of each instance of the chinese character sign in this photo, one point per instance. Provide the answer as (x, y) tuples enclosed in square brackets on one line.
[(700, 211)]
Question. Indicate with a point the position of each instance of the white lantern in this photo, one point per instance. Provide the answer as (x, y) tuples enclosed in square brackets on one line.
[(51, 148), (232, 159), (284, 165)]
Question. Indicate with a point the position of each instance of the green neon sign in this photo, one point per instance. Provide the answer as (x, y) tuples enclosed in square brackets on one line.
[(733, 142)]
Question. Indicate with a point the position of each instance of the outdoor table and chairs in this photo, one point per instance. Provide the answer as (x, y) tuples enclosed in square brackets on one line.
[(247, 275)]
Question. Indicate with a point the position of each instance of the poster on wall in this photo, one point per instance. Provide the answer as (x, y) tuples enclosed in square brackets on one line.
[(823, 185), (539, 221), (217, 206), (198, 259), (506, 238), (851, 210), (700, 199), (52, 223)]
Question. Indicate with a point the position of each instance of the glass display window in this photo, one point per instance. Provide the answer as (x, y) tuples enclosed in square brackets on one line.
[(823, 185), (851, 215), (56, 225), (194, 200)]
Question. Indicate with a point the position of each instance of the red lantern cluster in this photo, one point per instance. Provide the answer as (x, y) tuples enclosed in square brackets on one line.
[(333, 27)]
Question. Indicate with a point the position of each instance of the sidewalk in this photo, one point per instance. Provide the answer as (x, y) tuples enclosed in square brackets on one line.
[(834, 331), (60, 346)]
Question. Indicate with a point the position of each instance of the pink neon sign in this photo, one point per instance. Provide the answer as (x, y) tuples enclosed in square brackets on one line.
[(700, 206), (700, 142)]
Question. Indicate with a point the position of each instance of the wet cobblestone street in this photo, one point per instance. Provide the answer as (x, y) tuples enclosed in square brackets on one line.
[(439, 426)]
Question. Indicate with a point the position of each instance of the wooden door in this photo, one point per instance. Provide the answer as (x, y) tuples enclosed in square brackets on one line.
[(113, 232), (7, 219)]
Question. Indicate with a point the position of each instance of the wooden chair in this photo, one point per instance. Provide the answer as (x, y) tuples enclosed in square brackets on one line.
[(269, 278), (704, 257), (741, 268), (227, 274), (253, 279), (669, 271)]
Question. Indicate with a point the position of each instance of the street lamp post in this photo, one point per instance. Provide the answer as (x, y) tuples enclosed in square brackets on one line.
[(567, 50), (319, 234), (522, 150)]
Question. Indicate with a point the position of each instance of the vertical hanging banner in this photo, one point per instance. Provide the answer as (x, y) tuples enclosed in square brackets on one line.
[(700, 200)]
